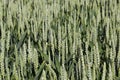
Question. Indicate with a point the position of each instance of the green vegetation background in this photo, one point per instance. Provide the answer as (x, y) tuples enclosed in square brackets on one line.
[(59, 39)]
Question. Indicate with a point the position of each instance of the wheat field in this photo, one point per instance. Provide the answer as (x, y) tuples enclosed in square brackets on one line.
[(59, 39)]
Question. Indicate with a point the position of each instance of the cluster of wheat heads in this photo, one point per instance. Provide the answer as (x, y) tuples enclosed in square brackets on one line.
[(59, 39)]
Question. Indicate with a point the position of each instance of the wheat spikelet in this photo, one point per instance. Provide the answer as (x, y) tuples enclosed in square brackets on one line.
[(35, 60), (63, 73), (59, 39), (29, 51), (8, 40), (110, 76), (15, 72), (21, 61), (7, 69), (93, 73), (104, 71), (24, 54), (2, 55), (43, 76)]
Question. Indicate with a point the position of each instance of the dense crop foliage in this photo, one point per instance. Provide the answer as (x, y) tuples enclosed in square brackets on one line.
[(59, 39)]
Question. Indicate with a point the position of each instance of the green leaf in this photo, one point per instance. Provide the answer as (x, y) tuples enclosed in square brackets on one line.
[(57, 64), (70, 69), (21, 40), (69, 58), (40, 71), (46, 58)]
